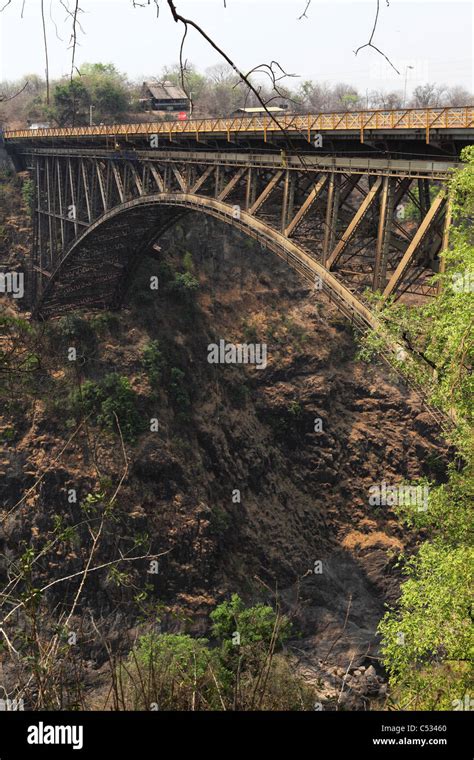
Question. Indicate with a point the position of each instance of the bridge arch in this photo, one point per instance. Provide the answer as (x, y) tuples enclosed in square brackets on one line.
[(102, 259)]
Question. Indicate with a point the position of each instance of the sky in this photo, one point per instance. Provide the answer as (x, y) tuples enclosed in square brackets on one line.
[(433, 37)]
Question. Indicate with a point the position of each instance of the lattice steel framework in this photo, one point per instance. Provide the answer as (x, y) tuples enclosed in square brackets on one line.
[(355, 223), (424, 120)]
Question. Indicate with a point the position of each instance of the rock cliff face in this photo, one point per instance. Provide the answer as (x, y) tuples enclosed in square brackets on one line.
[(257, 480)]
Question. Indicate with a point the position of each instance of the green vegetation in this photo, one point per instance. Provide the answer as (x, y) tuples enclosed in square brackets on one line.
[(99, 86), (154, 362), (111, 403), (27, 193), (188, 263), (76, 331), (242, 667), (295, 409), (427, 639), (19, 358), (428, 643), (184, 286), (178, 391)]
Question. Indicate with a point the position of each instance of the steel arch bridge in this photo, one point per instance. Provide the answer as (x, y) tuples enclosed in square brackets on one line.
[(354, 223), (96, 215)]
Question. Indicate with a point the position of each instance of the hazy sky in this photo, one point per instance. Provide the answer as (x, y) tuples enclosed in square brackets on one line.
[(436, 38)]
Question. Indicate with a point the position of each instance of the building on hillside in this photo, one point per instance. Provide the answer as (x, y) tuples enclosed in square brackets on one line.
[(163, 96)]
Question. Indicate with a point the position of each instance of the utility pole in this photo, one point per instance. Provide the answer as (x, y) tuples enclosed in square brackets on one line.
[(90, 115), (405, 88)]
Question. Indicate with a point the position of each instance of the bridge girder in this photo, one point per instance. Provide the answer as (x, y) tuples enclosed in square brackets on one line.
[(342, 215)]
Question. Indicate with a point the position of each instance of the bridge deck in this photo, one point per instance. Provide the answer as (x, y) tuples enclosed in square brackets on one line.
[(434, 170), (412, 122)]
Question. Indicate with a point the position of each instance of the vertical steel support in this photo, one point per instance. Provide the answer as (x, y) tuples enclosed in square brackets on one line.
[(73, 197), (60, 202), (39, 219), (332, 211), (36, 255), (251, 188), (416, 243), (355, 223), (384, 233), (424, 197), (285, 202), (50, 217), (308, 203), (86, 191), (166, 178), (101, 184)]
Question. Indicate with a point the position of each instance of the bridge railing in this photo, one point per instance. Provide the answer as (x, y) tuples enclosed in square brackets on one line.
[(304, 124)]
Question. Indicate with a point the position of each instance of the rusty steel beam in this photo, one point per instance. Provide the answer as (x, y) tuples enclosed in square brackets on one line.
[(231, 184), (250, 187), (137, 180), (180, 179), (86, 191), (157, 177), (118, 182), (415, 244), (304, 209), (266, 192), (384, 233), (354, 224), (332, 211), (202, 179), (101, 185)]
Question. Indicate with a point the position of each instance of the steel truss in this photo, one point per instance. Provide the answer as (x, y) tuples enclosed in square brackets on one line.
[(367, 223)]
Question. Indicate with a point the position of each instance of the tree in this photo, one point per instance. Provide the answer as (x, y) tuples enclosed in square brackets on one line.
[(315, 96), (107, 90), (457, 96), (345, 97), (386, 100), (99, 85), (71, 101), (427, 639), (427, 96), (195, 83)]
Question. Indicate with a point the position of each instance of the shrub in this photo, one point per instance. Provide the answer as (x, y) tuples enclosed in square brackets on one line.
[(108, 401), (256, 625), (154, 362), (178, 672), (178, 390), (28, 193), (184, 286)]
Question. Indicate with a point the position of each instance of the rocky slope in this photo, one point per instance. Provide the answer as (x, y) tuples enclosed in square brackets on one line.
[(303, 530)]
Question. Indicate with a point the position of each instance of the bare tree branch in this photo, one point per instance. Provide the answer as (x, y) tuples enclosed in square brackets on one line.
[(370, 44), (4, 98), (303, 15)]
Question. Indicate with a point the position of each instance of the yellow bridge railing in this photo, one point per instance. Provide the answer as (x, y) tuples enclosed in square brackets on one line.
[(307, 125)]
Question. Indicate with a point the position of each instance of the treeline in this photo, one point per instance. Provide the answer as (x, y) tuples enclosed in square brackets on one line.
[(428, 636), (101, 92)]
